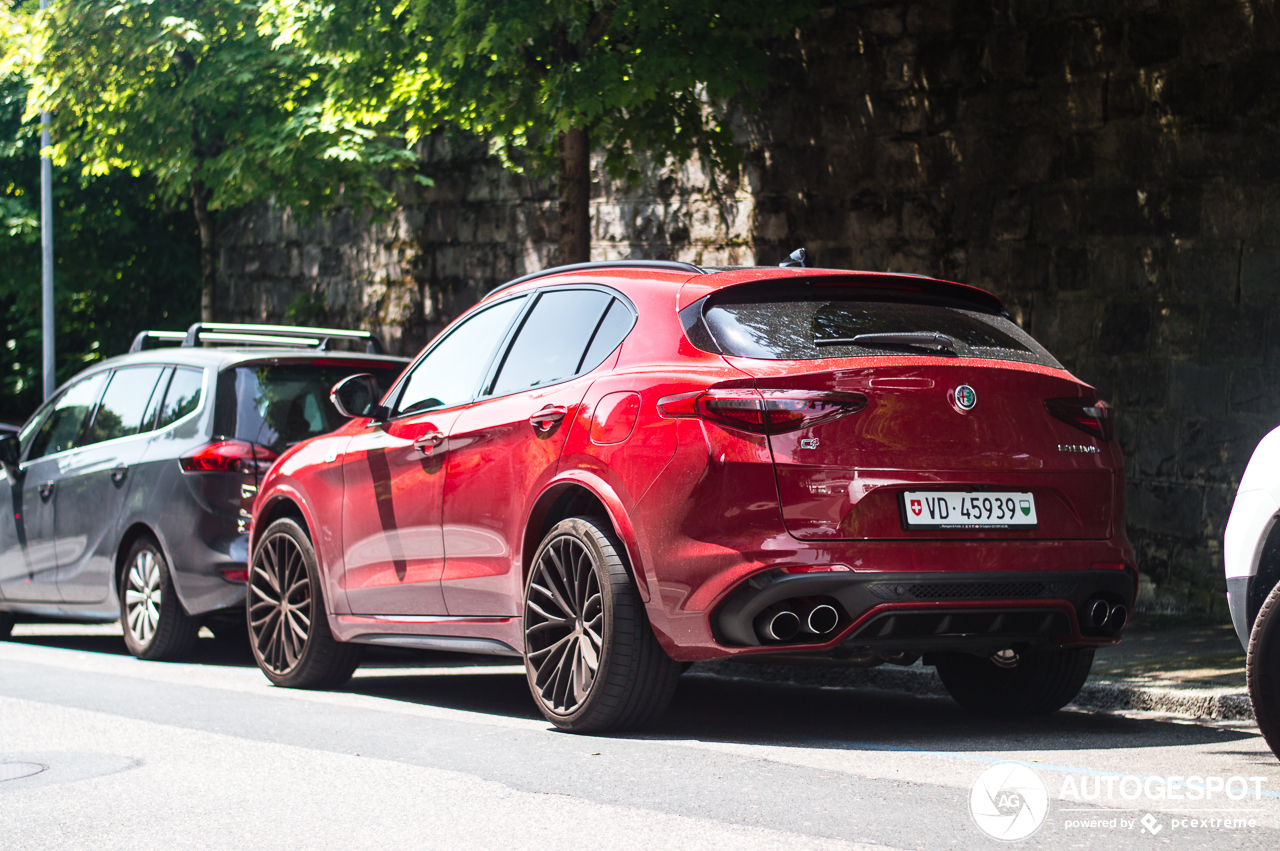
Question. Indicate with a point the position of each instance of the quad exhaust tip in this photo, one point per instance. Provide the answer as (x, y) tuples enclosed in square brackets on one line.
[(1100, 614), (782, 625), (1097, 613), (822, 619)]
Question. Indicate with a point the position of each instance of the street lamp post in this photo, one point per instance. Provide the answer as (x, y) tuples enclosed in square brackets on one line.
[(46, 245)]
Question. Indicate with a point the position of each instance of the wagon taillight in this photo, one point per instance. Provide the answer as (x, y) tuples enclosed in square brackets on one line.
[(228, 456)]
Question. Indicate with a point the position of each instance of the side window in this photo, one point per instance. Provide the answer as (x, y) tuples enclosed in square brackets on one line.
[(552, 340), (183, 395), (613, 329), (32, 426), (451, 373), (157, 398), (61, 429), (123, 407)]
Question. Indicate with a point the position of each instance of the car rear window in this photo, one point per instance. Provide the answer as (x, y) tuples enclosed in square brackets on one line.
[(278, 405), (767, 324)]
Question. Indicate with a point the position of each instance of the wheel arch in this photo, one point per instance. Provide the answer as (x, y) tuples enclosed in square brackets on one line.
[(283, 499), (1267, 575), (280, 506), (136, 530), (581, 495)]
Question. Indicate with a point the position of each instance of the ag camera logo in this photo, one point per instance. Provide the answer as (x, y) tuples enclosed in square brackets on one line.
[(1009, 802)]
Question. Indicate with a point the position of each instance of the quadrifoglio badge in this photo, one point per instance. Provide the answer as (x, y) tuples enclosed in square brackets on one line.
[(1010, 802)]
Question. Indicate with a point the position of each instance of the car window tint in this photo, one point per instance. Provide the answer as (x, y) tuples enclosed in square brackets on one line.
[(551, 342), (451, 372), (613, 328), (771, 324), (157, 398), (183, 395), (121, 412), (61, 429), (278, 405)]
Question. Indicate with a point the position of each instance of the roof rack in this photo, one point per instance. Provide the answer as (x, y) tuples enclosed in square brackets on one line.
[(667, 265), (261, 335)]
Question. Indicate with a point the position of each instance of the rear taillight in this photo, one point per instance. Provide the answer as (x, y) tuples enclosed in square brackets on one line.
[(764, 412), (1091, 416), (228, 456)]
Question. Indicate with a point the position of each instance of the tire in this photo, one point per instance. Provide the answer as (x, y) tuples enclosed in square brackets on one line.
[(1041, 682), (579, 603), (7, 621), (1263, 669), (156, 626), (289, 632)]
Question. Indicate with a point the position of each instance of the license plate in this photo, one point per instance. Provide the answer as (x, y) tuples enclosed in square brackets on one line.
[(969, 510)]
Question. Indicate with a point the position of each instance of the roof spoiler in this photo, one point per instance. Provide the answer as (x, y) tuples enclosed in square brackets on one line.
[(259, 335)]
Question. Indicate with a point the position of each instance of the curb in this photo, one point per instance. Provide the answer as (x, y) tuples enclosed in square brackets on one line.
[(1097, 694)]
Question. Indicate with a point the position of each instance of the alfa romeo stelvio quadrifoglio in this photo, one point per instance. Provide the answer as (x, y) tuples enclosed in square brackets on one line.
[(613, 469)]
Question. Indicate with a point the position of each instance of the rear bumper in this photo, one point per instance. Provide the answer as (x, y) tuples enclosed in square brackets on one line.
[(917, 612)]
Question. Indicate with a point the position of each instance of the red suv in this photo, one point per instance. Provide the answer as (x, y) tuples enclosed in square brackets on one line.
[(611, 469)]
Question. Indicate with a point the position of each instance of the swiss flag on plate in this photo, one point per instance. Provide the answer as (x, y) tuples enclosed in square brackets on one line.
[(916, 507)]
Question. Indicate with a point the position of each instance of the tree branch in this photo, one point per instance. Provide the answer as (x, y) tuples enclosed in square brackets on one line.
[(598, 24)]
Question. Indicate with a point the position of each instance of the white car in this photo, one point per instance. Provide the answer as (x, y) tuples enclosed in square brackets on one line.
[(1251, 556)]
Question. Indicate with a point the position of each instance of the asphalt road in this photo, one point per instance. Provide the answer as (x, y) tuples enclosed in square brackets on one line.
[(433, 751)]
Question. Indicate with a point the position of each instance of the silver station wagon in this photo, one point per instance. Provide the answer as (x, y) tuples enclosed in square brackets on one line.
[(128, 492)]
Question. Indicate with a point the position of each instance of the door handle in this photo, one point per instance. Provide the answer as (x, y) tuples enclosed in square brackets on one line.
[(119, 472), (46, 490), (428, 442), (546, 419)]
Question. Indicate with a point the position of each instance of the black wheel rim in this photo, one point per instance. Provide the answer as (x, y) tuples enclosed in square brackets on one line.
[(279, 603), (564, 625)]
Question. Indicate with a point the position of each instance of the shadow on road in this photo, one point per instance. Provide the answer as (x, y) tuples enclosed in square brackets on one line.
[(732, 711), (805, 716), (232, 651)]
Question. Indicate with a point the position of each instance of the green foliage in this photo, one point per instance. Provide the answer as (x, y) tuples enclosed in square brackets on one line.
[(122, 262), (639, 75), (188, 90)]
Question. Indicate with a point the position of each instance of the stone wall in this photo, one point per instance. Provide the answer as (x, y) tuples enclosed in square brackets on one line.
[(1110, 168), (407, 275)]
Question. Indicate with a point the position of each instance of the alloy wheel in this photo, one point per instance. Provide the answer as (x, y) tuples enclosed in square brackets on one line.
[(143, 596), (564, 624), (280, 609)]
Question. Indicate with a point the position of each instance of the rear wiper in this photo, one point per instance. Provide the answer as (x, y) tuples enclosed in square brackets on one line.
[(907, 338)]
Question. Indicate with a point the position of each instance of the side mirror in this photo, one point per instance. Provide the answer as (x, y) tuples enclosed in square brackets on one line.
[(10, 450), (357, 396)]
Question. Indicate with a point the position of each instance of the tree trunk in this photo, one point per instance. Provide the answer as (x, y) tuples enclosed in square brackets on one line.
[(575, 196), (208, 248)]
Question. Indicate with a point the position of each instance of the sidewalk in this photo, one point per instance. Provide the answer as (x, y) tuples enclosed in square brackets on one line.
[(1188, 666)]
